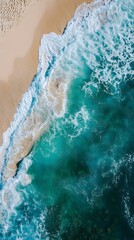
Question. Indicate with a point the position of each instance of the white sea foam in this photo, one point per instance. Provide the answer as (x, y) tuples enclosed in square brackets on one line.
[(10, 197), (91, 35)]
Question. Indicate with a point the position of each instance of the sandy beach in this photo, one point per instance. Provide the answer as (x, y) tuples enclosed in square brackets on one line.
[(19, 42), (66, 119)]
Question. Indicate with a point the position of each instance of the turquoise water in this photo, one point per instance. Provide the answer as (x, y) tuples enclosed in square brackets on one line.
[(82, 167)]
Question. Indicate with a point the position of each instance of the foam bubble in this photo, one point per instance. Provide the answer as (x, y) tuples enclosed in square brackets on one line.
[(96, 45)]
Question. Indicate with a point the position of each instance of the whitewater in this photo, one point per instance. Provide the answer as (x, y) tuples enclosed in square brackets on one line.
[(67, 162)]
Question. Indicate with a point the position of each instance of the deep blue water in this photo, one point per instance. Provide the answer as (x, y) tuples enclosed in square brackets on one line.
[(82, 167)]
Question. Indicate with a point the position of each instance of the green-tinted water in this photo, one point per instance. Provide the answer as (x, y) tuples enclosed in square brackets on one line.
[(82, 168)]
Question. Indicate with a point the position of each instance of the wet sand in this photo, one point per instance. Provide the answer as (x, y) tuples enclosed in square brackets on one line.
[(18, 63), (19, 45)]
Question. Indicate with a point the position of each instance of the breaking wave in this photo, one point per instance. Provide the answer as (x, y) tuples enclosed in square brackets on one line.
[(80, 109)]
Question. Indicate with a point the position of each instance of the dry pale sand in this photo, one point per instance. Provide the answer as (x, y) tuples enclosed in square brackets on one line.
[(22, 26)]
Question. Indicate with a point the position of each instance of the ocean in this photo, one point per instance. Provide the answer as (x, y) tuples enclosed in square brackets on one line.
[(72, 138)]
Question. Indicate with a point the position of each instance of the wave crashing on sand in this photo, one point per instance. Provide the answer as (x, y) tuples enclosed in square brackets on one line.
[(73, 130)]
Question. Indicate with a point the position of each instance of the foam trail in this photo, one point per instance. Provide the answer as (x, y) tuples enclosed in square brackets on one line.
[(62, 60), (81, 99), (33, 116), (46, 96)]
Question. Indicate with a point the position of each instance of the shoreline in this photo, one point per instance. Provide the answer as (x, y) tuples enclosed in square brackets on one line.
[(18, 76), (55, 101), (19, 55)]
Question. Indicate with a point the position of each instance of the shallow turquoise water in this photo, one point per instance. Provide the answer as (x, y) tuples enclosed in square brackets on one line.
[(82, 168)]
